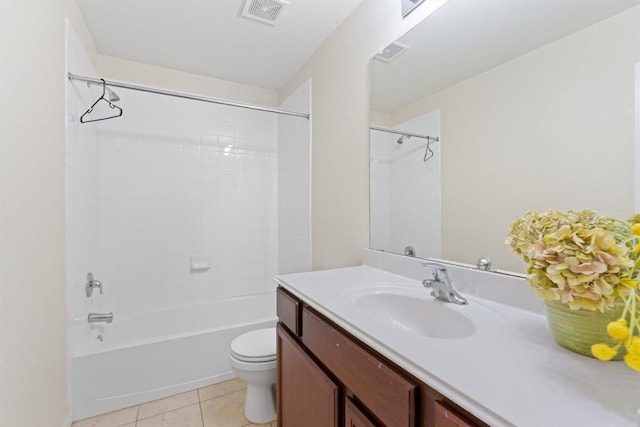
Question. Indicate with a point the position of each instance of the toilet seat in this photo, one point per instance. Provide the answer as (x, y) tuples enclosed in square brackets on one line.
[(256, 346)]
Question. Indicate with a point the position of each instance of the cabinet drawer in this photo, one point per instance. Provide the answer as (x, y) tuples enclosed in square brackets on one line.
[(288, 309), (387, 394)]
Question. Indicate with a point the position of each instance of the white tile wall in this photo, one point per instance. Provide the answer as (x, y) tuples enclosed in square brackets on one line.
[(186, 179), (168, 180)]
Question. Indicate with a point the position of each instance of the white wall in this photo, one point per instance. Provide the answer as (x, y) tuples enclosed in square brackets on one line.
[(566, 143), (165, 78), (340, 134), (33, 350), (294, 184)]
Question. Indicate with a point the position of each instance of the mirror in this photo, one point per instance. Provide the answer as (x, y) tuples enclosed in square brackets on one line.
[(533, 105)]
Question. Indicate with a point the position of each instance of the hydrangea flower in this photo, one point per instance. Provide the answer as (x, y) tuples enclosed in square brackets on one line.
[(588, 262)]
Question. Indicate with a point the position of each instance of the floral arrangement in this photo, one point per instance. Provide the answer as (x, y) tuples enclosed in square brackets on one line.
[(589, 262)]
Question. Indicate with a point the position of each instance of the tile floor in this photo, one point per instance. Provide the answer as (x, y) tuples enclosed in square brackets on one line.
[(218, 405)]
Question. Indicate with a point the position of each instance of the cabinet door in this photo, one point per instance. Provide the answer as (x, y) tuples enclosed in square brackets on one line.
[(446, 418), (353, 417), (306, 395)]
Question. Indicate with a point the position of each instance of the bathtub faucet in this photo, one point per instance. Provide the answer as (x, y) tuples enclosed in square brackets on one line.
[(100, 317)]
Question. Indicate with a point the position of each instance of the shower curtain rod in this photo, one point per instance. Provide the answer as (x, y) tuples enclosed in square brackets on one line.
[(186, 96), (399, 132)]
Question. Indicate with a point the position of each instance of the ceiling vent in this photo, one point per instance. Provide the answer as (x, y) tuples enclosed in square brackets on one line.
[(391, 52), (265, 11)]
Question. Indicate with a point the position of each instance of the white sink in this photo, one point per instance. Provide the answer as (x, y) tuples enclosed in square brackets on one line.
[(432, 318), (412, 310)]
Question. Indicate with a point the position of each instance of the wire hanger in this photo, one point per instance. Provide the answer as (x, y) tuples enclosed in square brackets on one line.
[(118, 110), (428, 153)]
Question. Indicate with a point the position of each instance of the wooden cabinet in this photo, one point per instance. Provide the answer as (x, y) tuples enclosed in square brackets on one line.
[(354, 417), (306, 395), (389, 395), (288, 310), (448, 418), (328, 378)]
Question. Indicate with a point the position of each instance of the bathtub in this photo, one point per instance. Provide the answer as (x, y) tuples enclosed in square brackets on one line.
[(147, 356)]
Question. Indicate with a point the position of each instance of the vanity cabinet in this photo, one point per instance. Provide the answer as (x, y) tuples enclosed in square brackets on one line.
[(328, 378), (306, 395)]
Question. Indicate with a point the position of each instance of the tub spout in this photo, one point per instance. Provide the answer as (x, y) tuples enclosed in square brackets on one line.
[(100, 317)]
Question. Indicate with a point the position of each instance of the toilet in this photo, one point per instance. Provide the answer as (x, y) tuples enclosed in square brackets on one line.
[(253, 359)]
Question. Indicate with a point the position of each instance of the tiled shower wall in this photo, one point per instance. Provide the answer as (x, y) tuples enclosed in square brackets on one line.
[(181, 179), (170, 180)]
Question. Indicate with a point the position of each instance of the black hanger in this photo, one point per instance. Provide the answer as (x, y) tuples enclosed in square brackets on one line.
[(102, 98)]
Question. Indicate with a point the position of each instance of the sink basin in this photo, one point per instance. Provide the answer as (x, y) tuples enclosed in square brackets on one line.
[(420, 315)]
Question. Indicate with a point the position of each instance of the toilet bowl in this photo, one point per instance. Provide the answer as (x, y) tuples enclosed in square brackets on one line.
[(253, 359)]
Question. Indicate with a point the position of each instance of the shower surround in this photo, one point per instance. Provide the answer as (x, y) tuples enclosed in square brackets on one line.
[(181, 179), (170, 180)]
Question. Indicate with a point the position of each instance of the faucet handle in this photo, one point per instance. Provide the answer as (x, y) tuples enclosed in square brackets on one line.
[(484, 263), (439, 271), (91, 284)]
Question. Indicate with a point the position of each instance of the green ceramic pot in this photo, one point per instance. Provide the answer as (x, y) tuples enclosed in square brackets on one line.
[(577, 330)]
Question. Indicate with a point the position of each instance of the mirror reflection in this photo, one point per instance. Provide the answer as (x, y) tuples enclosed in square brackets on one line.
[(533, 105)]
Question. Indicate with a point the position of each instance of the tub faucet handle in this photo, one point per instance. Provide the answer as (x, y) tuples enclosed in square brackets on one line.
[(91, 284)]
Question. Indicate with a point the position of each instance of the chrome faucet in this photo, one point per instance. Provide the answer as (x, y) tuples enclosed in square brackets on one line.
[(91, 284), (100, 317), (441, 286)]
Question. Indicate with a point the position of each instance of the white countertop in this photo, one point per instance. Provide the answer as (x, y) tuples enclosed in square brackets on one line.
[(510, 372)]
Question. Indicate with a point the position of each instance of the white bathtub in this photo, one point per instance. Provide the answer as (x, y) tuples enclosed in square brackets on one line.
[(151, 355)]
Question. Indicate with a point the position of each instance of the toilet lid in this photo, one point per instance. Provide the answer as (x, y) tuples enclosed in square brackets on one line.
[(255, 346)]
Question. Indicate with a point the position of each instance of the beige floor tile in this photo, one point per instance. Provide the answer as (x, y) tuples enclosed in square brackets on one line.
[(274, 423), (167, 404), (112, 419), (220, 389), (189, 416), (257, 425), (225, 411)]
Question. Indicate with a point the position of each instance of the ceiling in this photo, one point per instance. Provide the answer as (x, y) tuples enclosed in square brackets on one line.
[(466, 37), (211, 38)]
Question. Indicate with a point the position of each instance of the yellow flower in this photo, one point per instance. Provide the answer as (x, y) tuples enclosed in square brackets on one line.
[(604, 352), (633, 361), (635, 229), (634, 346), (629, 282), (618, 330)]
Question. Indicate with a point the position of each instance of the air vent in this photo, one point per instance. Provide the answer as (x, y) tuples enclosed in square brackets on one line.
[(265, 11), (391, 52)]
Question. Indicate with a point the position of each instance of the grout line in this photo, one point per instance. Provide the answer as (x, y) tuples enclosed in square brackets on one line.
[(201, 413)]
